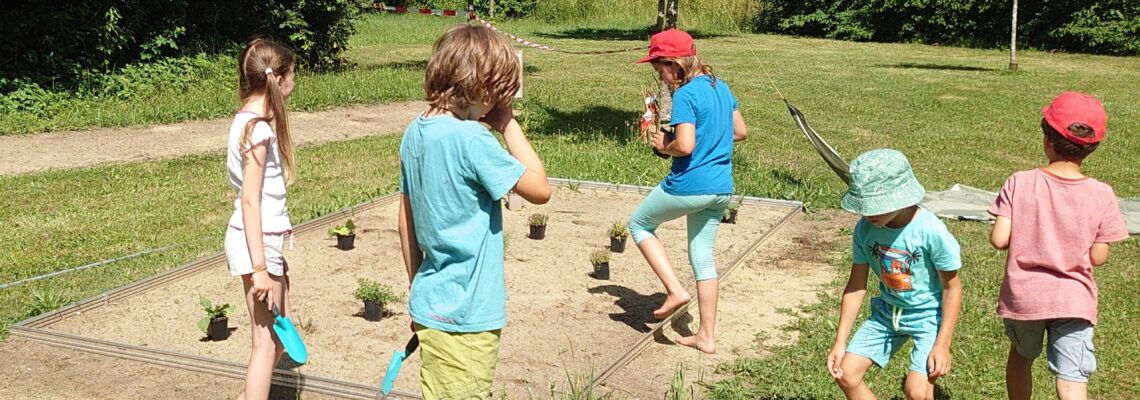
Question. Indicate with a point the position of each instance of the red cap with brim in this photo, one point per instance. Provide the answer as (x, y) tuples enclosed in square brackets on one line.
[(670, 43), (1072, 108)]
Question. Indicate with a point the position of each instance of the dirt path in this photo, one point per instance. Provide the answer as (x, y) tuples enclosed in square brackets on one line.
[(30, 153)]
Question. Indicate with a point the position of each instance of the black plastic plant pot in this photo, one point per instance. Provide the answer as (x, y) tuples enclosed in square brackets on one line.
[(602, 271), (537, 232), (617, 245), (731, 219), (219, 328), (373, 311), (346, 242)]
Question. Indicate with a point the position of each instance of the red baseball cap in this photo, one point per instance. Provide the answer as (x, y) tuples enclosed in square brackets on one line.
[(670, 43), (1073, 107)]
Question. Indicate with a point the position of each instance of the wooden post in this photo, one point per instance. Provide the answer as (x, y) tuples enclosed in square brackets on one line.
[(1013, 39), (519, 94), (492, 9)]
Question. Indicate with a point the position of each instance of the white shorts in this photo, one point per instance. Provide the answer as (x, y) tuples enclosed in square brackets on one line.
[(237, 253)]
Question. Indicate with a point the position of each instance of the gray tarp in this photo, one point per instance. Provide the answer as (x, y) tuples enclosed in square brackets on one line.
[(959, 202), (968, 203)]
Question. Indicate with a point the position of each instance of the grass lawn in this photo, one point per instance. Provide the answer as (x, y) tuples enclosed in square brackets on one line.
[(956, 113)]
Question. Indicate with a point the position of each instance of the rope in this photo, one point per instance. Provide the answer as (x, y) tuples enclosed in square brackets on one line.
[(100, 263), (540, 46)]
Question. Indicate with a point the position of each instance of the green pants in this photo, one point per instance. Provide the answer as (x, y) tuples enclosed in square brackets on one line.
[(457, 365)]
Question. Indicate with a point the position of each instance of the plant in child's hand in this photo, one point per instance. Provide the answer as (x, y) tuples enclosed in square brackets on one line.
[(212, 312)]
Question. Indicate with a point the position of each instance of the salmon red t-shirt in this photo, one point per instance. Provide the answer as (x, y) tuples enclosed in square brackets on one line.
[(1054, 223)]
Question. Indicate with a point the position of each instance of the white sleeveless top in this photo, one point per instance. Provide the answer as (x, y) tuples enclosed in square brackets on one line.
[(274, 215)]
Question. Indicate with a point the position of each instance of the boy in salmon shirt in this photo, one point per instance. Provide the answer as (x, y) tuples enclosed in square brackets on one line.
[(1057, 224)]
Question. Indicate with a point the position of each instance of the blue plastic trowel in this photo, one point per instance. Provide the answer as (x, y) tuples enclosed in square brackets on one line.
[(398, 358)]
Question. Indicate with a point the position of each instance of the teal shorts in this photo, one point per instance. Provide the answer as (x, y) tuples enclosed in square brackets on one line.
[(880, 336)]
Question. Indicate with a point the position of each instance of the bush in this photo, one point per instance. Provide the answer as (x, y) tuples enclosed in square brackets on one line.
[(1106, 27), (59, 50)]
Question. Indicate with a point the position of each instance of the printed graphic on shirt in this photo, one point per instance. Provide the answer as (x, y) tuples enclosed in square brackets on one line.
[(896, 264)]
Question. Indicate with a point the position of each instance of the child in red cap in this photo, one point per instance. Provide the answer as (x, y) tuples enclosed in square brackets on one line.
[(699, 186), (1057, 224)]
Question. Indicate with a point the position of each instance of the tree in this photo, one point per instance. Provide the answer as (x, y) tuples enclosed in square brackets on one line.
[(666, 15), (1013, 39)]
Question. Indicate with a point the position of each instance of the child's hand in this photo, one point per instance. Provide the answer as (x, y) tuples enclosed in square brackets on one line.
[(659, 142), (835, 359), (499, 117), (262, 286), (938, 364)]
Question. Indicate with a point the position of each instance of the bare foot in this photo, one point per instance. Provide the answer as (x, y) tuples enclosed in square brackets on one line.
[(672, 303), (707, 346)]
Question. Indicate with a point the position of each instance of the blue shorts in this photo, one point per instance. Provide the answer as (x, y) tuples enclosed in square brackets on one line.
[(878, 338)]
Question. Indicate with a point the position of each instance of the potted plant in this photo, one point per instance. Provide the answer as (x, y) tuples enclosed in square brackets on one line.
[(619, 231), (514, 201), (537, 226), (374, 295), (216, 324), (345, 235), (729, 215), (601, 261)]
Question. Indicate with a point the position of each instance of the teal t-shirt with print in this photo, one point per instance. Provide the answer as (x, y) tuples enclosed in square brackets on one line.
[(907, 259), (454, 173)]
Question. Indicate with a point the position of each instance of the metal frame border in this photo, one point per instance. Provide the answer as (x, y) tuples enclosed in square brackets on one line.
[(35, 328)]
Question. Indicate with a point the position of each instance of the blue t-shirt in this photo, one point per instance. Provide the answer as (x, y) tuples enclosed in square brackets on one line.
[(708, 169), (907, 259), (454, 172)]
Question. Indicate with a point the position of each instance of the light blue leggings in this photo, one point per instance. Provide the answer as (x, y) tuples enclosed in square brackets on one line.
[(703, 212)]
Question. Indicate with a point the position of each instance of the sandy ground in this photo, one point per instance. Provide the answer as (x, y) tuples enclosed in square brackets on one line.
[(562, 321), (29, 153)]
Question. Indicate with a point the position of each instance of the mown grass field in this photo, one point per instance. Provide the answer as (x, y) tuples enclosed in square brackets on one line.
[(958, 115)]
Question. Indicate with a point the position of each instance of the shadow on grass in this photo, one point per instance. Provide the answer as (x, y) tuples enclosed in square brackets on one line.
[(940, 67), (607, 122), (637, 308), (641, 33), (421, 65)]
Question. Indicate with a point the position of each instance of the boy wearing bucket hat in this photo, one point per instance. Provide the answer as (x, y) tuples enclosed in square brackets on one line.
[(1056, 224), (916, 260)]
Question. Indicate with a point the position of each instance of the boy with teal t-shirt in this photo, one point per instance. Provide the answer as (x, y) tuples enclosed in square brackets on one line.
[(916, 260)]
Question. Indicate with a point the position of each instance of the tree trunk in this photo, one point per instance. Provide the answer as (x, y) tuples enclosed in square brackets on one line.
[(660, 16), (1013, 39), (671, 15)]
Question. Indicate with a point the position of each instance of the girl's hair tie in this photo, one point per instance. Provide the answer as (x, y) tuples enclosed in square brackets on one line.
[(268, 70)]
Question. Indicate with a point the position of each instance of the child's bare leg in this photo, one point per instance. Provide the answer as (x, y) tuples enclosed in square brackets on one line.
[(265, 350), (675, 294), (705, 340), (1019, 376), (851, 382), (918, 386), (1067, 390)]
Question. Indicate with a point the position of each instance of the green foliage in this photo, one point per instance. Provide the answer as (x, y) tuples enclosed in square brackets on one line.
[(371, 291), (348, 229), (503, 8), (62, 50), (537, 219), (45, 301), (212, 312), (619, 230), (599, 257), (1103, 27)]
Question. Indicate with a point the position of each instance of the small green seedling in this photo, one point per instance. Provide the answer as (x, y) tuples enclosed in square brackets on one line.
[(538, 219), (370, 291), (348, 229), (212, 312), (619, 230)]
